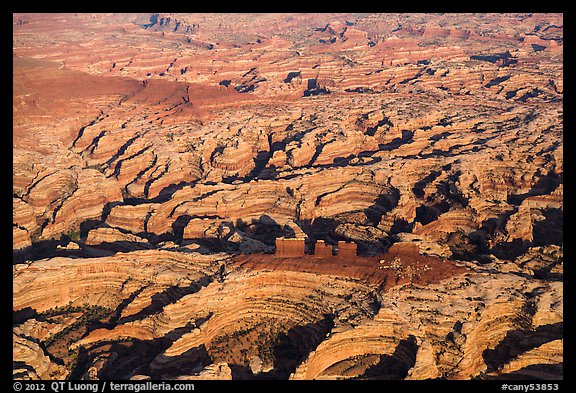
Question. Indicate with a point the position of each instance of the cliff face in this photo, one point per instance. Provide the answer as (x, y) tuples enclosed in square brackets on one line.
[(151, 149), (290, 247)]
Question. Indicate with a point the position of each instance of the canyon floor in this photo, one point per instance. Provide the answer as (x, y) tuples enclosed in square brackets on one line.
[(157, 157)]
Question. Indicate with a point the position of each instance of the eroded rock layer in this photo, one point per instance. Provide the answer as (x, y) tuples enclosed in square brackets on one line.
[(169, 314), (159, 157)]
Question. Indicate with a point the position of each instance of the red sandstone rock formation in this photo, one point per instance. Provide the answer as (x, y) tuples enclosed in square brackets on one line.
[(404, 248), (193, 134), (347, 249), (322, 250), (290, 247)]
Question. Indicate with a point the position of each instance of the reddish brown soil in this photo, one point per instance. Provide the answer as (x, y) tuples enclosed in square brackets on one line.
[(419, 270)]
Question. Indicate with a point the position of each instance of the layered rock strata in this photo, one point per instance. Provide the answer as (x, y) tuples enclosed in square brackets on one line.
[(158, 158)]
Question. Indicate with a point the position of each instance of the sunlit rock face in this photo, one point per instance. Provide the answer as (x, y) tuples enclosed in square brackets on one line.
[(165, 164)]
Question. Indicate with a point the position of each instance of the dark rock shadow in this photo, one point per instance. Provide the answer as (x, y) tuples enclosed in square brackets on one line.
[(418, 189), (321, 229), (519, 341), (123, 246), (192, 361), (544, 186), (382, 205), (325, 229), (168, 296), (488, 230), (266, 230), (133, 356), (401, 225), (533, 372), (510, 250), (426, 214), (462, 247), (46, 249), (292, 347), (406, 138), (263, 229), (550, 230), (242, 372), (178, 227), (28, 370), (397, 365), (22, 315)]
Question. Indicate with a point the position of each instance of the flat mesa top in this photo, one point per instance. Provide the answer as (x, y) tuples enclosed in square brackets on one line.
[(384, 270)]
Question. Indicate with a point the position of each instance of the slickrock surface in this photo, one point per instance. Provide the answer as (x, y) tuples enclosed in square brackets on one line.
[(472, 325), (158, 157)]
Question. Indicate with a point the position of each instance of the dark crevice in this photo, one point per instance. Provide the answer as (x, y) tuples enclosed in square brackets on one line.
[(415, 77), (64, 198), (122, 149), (291, 348), (94, 144), (142, 172), (519, 341), (34, 183), (153, 179), (396, 365), (317, 153), (196, 199), (545, 185), (116, 172), (370, 131), (169, 296), (163, 196), (82, 129), (427, 214), (260, 162), (118, 311), (136, 354), (418, 189), (497, 81), (537, 372)]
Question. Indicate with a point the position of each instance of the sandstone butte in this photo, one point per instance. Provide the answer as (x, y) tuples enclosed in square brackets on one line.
[(288, 196)]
